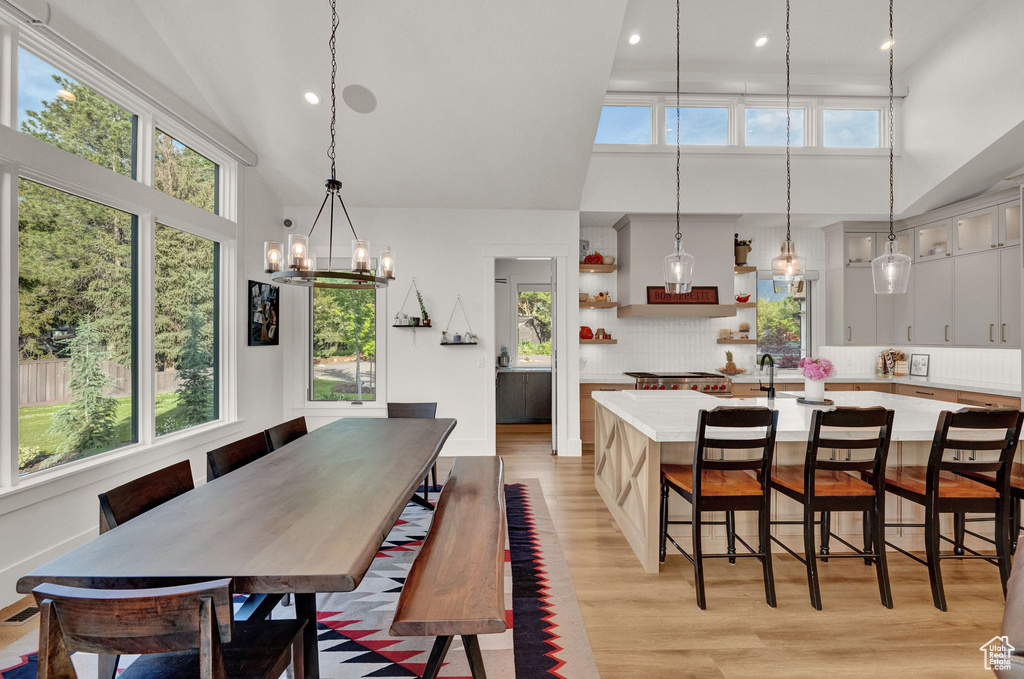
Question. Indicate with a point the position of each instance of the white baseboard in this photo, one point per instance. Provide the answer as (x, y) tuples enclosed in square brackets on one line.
[(10, 575), (575, 449)]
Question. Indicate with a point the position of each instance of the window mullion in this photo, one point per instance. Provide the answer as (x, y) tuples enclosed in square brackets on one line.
[(145, 330), (144, 148), (9, 314), (8, 67)]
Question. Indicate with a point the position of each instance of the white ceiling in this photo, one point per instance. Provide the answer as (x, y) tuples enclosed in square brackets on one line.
[(829, 37)]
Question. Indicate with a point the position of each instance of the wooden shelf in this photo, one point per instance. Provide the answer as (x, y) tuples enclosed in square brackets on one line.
[(597, 268), (744, 269), (737, 341), (414, 327), (746, 305), (599, 341), (598, 305), (458, 344), (674, 310)]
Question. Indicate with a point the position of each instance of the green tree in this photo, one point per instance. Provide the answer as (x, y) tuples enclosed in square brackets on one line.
[(181, 172), (89, 421), (338, 317), (535, 312), (195, 383)]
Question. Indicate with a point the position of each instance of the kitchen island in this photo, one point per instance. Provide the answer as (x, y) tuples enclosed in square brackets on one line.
[(636, 431)]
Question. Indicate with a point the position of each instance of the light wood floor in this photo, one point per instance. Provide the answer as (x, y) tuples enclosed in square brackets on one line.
[(649, 625)]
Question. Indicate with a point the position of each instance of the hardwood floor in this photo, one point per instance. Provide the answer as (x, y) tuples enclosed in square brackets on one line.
[(649, 625)]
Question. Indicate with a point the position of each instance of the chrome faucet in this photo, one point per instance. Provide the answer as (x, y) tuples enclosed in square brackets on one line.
[(771, 376)]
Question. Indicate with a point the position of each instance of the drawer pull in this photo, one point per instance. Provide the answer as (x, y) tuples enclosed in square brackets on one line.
[(946, 333), (925, 393), (1002, 333), (991, 330), (908, 334), (849, 334)]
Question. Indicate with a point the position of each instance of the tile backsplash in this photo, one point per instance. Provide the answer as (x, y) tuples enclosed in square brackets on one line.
[(998, 366)]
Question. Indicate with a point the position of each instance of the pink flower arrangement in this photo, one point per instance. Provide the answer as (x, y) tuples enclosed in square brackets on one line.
[(817, 368)]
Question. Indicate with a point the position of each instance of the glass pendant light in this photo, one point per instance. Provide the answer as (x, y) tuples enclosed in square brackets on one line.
[(788, 267), (272, 256), (679, 263), (890, 271)]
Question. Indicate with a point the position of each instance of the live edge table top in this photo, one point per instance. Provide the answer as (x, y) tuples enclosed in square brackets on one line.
[(307, 518)]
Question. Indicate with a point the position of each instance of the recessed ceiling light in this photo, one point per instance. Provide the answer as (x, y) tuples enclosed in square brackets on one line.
[(311, 97), (634, 39), (66, 96), (761, 42), (887, 45)]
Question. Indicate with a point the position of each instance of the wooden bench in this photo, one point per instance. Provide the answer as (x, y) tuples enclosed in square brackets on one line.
[(456, 586)]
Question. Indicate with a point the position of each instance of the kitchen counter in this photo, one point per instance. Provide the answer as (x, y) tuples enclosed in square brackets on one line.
[(993, 388), (606, 378), (538, 369)]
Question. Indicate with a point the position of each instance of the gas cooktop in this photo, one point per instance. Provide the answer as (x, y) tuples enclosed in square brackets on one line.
[(678, 375), (694, 381)]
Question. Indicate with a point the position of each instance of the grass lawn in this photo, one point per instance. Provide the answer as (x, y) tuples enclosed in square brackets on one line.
[(323, 391)]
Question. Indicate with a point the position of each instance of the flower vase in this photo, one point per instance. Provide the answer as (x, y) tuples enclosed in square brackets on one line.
[(814, 390)]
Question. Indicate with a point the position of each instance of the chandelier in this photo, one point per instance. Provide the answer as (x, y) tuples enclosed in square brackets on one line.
[(297, 266)]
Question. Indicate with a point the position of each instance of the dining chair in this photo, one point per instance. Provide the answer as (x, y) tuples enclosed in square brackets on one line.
[(235, 455), (421, 410), (830, 485), (944, 486), (711, 485), (184, 631), (284, 433), (144, 493)]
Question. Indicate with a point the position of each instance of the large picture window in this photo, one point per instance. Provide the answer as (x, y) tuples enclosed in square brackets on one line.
[(76, 327), (344, 366), (699, 126), (533, 325), (783, 323), (185, 342), (181, 172)]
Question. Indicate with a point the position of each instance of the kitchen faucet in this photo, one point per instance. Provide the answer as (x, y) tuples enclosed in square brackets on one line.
[(771, 376)]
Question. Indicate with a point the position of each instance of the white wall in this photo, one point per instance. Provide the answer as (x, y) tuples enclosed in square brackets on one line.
[(514, 271), (450, 253), (44, 517)]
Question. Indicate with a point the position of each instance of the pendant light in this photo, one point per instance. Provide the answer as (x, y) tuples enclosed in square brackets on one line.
[(679, 263), (301, 266), (890, 271), (788, 267)]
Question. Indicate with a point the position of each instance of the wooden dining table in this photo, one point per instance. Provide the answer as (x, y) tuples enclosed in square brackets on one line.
[(308, 518)]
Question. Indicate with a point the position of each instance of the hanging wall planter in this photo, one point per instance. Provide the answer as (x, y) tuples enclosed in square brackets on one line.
[(404, 320), (458, 339)]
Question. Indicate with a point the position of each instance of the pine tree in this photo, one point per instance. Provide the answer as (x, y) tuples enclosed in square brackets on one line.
[(195, 383), (89, 421)]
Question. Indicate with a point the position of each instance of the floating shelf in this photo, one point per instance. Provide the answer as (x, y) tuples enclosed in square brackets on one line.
[(458, 344), (598, 305), (414, 327), (746, 305), (597, 268), (599, 341), (702, 310), (737, 341), (744, 269)]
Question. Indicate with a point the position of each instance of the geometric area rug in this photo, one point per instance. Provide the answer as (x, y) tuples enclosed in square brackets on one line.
[(546, 637)]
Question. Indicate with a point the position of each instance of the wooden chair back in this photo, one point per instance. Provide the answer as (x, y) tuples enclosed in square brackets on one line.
[(236, 454), (966, 424), (133, 621), (144, 493), (285, 433), (421, 410), (736, 418), (875, 422)]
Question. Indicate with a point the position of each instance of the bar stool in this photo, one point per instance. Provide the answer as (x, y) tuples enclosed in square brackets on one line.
[(827, 486), (943, 487), (1016, 495), (725, 485)]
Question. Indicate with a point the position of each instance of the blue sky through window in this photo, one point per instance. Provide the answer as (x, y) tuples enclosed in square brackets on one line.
[(767, 127), (851, 129), (35, 83), (624, 125), (698, 126)]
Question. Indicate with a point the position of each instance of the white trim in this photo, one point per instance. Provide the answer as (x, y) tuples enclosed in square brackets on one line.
[(145, 331), (9, 321)]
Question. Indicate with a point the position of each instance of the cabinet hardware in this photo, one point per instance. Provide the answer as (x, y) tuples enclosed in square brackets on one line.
[(946, 333), (908, 334), (1002, 333), (849, 334), (1000, 245), (925, 393), (993, 245), (948, 254), (991, 329)]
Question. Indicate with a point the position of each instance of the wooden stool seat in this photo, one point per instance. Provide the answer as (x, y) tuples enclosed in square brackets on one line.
[(827, 482), (906, 481), (1016, 477), (717, 482)]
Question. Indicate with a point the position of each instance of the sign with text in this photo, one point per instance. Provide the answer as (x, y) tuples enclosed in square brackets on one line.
[(699, 294)]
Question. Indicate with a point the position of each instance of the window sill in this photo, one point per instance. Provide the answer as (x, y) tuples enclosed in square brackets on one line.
[(46, 484)]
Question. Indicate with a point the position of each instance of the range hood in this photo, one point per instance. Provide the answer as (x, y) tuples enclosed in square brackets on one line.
[(643, 242)]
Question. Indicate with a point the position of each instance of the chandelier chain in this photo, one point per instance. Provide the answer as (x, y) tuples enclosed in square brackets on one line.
[(892, 134), (679, 235), (789, 131), (334, 72)]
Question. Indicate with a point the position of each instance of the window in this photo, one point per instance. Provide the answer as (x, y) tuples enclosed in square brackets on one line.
[(701, 126), (624, 125), (783, 323), (344, 345), (851, 128), (767, 127), (181, 172), (76, 323), (61, 111), (185, 301), (533, 325)]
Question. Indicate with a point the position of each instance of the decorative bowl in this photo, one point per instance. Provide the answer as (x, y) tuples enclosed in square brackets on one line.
[(584, 296), (737, 371), (609, 259)]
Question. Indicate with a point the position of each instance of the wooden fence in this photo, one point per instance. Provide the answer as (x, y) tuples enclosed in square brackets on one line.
[(45, 382)]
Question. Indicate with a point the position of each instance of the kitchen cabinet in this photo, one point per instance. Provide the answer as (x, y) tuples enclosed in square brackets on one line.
[(524, 397), (932, 240), (976, 299), (976, 231), (1009, 224), (971, 398), (859, 249), (903, 332), (932, 393), (933, 313), (1009, 297), (587, 408)]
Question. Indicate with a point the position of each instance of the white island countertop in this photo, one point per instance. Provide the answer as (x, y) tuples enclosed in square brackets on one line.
[(672, 416)]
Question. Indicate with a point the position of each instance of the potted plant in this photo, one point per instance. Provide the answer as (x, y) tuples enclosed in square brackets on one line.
[(444, 337), (424, 316), (815, 372)]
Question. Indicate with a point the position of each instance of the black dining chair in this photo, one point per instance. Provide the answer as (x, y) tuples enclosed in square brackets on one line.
[(285, 433), (423, 411), (235, 455), (138, 496)]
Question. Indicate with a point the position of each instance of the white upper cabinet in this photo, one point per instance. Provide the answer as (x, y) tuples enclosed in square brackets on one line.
[(859, 249), (933, 313), (976, 299), (905, 240), (933, 240), (1009, 224), (1009, 297), (976, 231), (904, 311)]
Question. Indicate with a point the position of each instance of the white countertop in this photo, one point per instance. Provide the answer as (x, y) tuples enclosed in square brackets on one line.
[(672, 416), (606, 378)]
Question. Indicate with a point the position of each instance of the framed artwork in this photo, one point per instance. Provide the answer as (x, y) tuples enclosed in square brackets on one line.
[(264, 314), (919, 365)]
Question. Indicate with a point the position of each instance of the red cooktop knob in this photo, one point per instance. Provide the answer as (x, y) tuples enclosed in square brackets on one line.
[(661, 386), (694, 387), (675, 386), (718, 386), (706, 387)]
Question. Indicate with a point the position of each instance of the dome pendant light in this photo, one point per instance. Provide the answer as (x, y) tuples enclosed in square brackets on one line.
[(890, 271), (788, 267), (679, 263), (302, 269)]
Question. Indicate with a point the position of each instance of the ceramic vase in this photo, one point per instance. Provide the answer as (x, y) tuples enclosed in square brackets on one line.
[(814, 390)]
